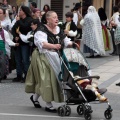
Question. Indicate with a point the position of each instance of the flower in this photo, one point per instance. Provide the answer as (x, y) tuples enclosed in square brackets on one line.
[(57, 37), (61, 25)]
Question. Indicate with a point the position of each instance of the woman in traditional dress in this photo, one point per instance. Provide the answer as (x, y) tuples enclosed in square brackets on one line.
[(42, 76), (4, 59), (92, 34), (6, 24), (105, 31)]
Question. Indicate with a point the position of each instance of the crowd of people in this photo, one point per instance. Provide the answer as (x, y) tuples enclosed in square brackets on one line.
[(36, 38)]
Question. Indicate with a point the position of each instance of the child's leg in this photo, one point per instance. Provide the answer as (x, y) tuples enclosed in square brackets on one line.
[(94, 83), (99, 96)]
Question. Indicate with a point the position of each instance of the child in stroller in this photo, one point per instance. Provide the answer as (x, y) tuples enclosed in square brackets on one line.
[(77, 85), (91, 85), (73, 55)]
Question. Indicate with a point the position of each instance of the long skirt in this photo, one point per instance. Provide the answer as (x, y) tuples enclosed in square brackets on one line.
[(41, 79), (12, 64), (4, 64), (86, 49), (106, 38)]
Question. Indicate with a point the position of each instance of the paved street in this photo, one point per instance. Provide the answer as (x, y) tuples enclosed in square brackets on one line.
[(15, 103)]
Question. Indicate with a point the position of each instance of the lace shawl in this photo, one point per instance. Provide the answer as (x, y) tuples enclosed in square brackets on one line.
[(92, 31)]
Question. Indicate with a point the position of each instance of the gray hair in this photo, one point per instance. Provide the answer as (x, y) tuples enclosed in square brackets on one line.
[(48, 14)]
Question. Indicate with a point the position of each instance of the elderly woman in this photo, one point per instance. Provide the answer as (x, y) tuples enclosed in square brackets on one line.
[(42, 76)]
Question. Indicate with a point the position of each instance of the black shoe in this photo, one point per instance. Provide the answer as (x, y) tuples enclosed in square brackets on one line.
[(97, 56), (22, 80), (17, 79), (118, 84), (5, 77), (113, 53), (35, 103), (91, 56), (51, 109)]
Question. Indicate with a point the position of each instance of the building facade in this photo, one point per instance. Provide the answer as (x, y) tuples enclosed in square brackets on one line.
[(63, 6)]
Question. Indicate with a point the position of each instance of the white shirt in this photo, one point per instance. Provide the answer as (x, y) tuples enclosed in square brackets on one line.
[(5, 23), (8, 42), (75, 18), (115, 18), (41, 37)]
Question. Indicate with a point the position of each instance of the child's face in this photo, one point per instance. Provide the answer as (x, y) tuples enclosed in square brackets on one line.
[(68, 19), (33, 26)]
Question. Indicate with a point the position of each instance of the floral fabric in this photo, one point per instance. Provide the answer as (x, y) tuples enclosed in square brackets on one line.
[(74, 55)]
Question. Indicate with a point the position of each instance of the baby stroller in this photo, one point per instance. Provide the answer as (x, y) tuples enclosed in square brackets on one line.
[(74, 67)]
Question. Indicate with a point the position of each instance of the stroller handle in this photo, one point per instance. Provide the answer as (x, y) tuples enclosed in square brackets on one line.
[(87, 77), (75, 45)]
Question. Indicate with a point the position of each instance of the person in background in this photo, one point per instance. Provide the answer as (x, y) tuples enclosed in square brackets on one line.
[(92, 34), (14, 9), (70, 27), (7, 7), (4, 52), (5, 20), (32, 6), (105, 25), (22, 52), (46, 8), (42, 13), (114, 22), (1, 4), (77, 17), (29, 38), (36, 14), (6, 25)]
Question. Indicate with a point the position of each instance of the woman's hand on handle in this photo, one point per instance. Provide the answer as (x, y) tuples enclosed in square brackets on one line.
[(75, 45), (57, 46)]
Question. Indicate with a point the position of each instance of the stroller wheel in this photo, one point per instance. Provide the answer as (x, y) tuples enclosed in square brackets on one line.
[(108, 114), (68, 111), (80, 110), (61, 111), (89, 108), (87, 115)]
